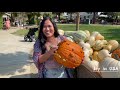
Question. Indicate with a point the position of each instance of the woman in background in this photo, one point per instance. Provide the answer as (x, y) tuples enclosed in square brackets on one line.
[(7, 24)]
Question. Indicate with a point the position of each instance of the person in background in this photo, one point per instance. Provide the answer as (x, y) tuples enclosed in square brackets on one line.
[(7, 24)]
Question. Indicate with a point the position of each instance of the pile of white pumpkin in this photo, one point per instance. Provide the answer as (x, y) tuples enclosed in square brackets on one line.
[(97, 52)]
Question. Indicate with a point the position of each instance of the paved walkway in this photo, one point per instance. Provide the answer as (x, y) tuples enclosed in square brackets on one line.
[(15, 56)]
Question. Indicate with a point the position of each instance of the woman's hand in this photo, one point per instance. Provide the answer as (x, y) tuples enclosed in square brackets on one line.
[(50, 51), (53, 49)]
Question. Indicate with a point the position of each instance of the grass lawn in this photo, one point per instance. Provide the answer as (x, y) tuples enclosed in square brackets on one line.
[(108, 31)]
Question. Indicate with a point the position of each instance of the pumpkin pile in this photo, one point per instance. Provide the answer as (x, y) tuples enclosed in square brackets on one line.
[(98, 52), (69, 54)]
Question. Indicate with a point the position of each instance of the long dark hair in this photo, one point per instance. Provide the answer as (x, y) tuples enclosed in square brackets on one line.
[(42, 38)]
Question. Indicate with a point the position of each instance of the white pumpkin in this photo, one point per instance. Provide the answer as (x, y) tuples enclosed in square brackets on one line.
[(86, 52), (103, 54), (108, 47), (79, 36), (86, 48), (110, 68), (61, 32), (104, 42), (88, 34), (99, 37), (91, 41), (76, 37), (95, 33), (98, 45), (92, 65), (70, 38), (84, 45), (91, 51), (114, 44)]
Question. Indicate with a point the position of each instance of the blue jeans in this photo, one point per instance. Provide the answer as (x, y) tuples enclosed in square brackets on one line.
[(55, 73)]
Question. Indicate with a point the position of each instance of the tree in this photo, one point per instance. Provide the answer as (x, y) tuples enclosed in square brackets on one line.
[(1, 20), (77, 20), (1, 13), (58, 13), (13, 15), (113, 15), (47, 14), (94, 17), (31, 17)]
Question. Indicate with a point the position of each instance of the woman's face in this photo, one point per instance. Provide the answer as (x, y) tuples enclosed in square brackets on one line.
[(48, 29)]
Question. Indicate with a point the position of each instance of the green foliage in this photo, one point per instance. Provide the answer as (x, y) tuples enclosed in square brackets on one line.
[(33, 17), (113, 15), (47, 14), (1, 22), (62, 17)]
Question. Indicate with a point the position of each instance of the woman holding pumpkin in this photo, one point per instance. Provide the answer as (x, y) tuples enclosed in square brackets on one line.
[(44, 49)]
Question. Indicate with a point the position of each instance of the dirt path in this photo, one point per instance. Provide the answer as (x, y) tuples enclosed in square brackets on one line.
[(15, 56)]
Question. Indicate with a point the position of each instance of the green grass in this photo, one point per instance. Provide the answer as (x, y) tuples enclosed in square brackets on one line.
[(108, 31), (23, 32)]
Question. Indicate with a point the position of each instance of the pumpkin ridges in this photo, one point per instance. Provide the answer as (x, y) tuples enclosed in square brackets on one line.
[(68, 64), (69, 54), (114, 44), (77, 51), (65, 54)]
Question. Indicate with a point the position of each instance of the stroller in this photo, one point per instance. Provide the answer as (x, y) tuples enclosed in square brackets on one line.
[(31, 34)]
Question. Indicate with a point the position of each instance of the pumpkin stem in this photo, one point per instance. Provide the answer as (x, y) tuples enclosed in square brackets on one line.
[(110, 52), (90, 58), (116, 57)]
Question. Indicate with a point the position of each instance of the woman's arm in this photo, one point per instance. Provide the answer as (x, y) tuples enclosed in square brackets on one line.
[(40, 58)]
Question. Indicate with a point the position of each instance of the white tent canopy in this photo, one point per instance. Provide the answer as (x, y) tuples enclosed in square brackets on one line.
[(103, 16)]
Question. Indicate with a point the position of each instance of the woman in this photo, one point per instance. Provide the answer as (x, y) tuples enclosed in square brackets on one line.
[(7, 24), (44, 48)]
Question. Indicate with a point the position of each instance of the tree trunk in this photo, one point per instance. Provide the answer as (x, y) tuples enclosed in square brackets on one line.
[(77, 21), (59, 16), (94, 17), (12, 19)]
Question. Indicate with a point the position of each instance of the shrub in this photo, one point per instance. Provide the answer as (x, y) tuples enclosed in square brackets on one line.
[(1, 22)]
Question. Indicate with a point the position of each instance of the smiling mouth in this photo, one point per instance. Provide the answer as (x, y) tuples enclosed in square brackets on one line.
[(47, 33)]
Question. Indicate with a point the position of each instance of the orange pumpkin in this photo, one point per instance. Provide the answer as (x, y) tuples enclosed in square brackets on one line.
[(116, 54), (69, 54)]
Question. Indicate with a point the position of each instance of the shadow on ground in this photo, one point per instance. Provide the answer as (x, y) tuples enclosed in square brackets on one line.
[(26, 41), (26, 75), (22, 40), (11, 62)]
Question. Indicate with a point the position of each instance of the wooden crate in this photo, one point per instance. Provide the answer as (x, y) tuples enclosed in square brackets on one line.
[(83, 72)]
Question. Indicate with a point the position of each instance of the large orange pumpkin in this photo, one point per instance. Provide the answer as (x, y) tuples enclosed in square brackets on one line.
[(116, 54), (69, 54)]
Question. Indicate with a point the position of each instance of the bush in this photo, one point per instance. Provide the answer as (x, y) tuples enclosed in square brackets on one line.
[(1, 22)]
